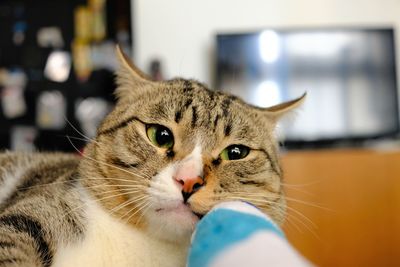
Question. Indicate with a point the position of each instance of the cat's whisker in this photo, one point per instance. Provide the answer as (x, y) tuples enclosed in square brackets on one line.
[(270, 204), (114, 179), (263, 196), (308, 204), (311, 230), (78, 179), (101, 162), (144, 211), (130, 210), (131, 189), (76, 138), (141, 206), (120, 186), (127, 203), (300, 185), (290, 226), (302, 215), (289, 215), (260, 195), (127, 191), (252, 200), (287, 207), (298, 190), (146, 206), (257, 195), (287, 219), (97, 200), (277, 207), (87, 138)]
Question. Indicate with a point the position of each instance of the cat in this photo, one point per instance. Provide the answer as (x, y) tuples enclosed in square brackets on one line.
[(166, 154)]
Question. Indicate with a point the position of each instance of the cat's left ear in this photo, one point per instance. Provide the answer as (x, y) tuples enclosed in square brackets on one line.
[(278, 111), (129, 77)]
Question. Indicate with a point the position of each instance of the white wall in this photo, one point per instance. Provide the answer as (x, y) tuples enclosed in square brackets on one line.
[(181, 32)]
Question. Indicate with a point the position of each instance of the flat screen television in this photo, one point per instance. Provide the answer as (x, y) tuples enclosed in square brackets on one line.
[(349, 75)]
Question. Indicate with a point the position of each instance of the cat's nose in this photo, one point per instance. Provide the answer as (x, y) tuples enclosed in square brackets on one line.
[(189, 186)]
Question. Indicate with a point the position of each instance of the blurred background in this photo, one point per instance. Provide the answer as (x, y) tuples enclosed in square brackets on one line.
[(341, 150)]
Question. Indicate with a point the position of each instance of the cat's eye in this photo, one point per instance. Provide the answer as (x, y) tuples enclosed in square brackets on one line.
[(234, 152), (160, 135)]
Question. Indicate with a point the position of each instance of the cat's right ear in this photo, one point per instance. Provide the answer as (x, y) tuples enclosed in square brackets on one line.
[(130, 79), (278, 111)]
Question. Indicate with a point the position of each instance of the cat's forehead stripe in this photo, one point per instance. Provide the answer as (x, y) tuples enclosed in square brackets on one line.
[(187, 86), (228, 128), (216, 122), (178, 116), (118, 126), (225, 106), (194, 116)]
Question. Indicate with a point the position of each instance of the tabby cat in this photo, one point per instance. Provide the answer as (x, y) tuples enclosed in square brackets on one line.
[(165, 155)]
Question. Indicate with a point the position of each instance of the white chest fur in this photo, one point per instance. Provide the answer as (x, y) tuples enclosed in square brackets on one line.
[(109, 242)]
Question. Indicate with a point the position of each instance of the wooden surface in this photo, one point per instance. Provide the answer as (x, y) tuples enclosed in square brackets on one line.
[(344, 206)]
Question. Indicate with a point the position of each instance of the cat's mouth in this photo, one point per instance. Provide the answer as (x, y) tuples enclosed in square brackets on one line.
[(180, 208), (200, 216)]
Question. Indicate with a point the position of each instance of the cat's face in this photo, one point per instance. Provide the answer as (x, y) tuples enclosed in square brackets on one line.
[(176, 149)]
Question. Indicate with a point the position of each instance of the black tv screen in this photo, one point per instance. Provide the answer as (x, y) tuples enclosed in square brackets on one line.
[(349, 75)]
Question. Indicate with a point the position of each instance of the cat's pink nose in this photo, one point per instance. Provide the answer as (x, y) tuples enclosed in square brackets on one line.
[(189, 186)]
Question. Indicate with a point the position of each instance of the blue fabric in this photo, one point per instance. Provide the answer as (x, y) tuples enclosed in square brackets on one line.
[(222, 228)]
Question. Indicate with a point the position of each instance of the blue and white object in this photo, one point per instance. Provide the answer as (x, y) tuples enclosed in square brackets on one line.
[(238, 234)]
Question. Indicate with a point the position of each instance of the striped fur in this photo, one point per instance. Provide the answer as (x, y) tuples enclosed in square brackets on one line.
[(42, 186)]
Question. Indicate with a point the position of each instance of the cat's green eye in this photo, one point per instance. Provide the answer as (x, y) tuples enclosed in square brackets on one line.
[(160, 135), (234, 152)]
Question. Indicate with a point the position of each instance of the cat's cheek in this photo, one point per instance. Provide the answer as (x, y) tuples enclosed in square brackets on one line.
[(202, 201)]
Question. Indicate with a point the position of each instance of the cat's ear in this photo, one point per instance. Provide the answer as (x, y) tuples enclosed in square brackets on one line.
[(129, 78), (278, 111)]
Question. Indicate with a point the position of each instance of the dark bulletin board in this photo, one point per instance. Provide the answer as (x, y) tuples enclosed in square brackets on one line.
[(32, 59)]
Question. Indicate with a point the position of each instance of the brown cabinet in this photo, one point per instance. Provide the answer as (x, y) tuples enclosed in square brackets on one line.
[(344, 206)]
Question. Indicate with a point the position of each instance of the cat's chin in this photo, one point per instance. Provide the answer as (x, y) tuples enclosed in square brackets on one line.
[(174, 222)]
